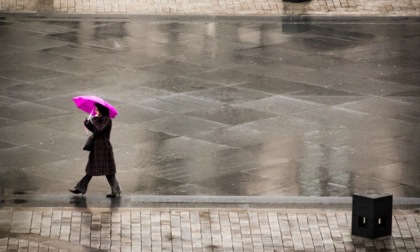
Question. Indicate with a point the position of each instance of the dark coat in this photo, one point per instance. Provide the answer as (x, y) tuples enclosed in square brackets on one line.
[(101, 158)]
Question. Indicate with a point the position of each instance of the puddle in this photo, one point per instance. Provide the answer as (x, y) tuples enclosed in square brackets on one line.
[(19, 201)]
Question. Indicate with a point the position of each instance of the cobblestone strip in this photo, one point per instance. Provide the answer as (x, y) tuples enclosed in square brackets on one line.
[(239, 7), (220, 7), (196, 230)]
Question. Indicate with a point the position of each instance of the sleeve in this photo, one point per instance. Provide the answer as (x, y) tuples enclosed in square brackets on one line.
[(88, 125)]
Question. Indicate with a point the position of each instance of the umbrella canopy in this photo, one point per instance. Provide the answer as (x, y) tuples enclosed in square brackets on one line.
[(87, 103)]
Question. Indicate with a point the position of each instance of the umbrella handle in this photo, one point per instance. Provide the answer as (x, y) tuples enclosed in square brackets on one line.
[(90, 119), (90, 115)]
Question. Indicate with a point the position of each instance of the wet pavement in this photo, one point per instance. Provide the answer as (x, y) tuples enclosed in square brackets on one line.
[(234, 133), (214, 106)]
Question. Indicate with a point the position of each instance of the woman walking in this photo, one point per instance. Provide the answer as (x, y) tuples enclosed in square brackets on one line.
[(101, 157)]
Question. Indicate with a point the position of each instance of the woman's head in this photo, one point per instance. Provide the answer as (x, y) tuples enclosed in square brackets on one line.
[(103, 111)]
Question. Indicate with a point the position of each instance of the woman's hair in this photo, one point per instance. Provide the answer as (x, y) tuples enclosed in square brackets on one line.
[(102, 109)]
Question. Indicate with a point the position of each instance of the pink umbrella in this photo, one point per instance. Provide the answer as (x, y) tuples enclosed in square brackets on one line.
[(87, 104)]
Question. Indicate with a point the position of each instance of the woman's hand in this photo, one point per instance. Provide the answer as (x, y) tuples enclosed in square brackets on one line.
[(97, 114)]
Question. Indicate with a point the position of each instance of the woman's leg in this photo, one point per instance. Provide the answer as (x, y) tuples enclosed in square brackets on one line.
[(83, 184), (115, 186)]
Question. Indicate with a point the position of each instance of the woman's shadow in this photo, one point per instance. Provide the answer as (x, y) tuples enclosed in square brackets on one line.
[(81, 202)]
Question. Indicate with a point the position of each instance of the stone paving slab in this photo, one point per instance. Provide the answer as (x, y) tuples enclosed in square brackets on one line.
[(196, 229), (217, 7)]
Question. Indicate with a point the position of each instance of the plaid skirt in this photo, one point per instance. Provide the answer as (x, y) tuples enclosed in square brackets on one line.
[(101, 158)]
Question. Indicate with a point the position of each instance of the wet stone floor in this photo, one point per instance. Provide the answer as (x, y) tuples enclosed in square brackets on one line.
[(201, 230), (214, 106)]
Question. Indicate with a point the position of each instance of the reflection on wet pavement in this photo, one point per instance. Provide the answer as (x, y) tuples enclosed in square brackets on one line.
[(307, 107)]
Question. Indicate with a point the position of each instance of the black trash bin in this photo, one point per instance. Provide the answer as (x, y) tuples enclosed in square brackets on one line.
[(371, 216)]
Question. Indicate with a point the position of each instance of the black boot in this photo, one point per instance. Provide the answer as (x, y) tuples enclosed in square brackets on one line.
[(75, 191)]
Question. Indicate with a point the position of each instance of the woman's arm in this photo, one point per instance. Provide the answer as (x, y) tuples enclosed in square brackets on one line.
[(88, 125)]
